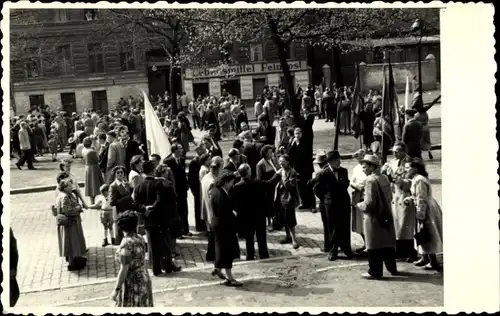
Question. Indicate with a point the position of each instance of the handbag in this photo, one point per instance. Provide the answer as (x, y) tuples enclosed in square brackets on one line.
[(63, 220)]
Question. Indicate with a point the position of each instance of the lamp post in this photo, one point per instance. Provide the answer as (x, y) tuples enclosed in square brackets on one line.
[(417, 29)]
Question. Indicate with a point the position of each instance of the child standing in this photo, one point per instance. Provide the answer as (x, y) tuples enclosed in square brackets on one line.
[(53, 143), (102, 203)]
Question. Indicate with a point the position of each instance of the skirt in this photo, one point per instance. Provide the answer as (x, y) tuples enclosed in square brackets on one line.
[(71, 240)]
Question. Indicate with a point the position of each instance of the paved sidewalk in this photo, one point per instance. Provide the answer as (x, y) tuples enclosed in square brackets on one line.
[(41, 268)]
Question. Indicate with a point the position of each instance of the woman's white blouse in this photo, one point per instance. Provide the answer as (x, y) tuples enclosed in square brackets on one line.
[(358, 176)]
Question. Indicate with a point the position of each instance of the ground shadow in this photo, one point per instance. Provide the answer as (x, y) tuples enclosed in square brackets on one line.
[(406, 276), (270, 287)]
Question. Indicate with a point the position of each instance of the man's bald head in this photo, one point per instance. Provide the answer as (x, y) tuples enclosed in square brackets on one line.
[(245, 171)]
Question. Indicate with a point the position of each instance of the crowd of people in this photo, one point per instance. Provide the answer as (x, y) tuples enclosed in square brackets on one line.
[(143, 198)]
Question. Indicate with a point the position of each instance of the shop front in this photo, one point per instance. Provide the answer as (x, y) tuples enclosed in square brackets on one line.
[(246, 81)]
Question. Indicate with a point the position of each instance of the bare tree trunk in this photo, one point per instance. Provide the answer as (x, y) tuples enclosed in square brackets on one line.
[(289, 88), (173, 87), (337, 66)]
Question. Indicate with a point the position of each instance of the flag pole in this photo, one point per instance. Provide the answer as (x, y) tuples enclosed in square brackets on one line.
[(384, 92)]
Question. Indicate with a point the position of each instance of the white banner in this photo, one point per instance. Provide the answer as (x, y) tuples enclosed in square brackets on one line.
[(214, 87), (273, 80), (188, 88), (246, 86), (157, 139), (302, 79)]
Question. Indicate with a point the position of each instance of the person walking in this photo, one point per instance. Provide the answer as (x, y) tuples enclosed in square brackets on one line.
[(133, 287), (301, 160), (322, 164), (27, 154), (429, 215), (195, 187), (378, 224)]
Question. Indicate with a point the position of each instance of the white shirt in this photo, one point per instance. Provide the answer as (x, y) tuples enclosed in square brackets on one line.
[(358, 176), (103, 203)]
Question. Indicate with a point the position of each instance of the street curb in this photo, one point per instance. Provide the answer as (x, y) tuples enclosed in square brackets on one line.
[(82, 184), (38, 189)]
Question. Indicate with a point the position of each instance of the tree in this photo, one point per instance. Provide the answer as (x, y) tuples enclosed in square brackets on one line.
[(328, 28), (174, 30)]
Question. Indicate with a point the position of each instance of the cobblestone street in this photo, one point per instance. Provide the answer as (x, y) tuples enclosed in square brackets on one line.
[(41, 268)]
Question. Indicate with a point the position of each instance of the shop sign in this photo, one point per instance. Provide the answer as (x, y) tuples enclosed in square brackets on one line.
[(246, 86)]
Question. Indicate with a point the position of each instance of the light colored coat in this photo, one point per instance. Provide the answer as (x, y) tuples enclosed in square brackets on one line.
[(24, 139), (207, 213), (404, 215), (377, 199), (429, 214)]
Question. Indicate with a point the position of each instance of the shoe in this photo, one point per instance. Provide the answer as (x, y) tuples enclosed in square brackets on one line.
[(264, 257), (105, 242), (332, 256), (189, 234), (18, 166), (113, 241), (286, 241), (430, 156), (395, 273), (368, 276), (174, 268), (219, 274), (295, 245), (232, 283), (250, 258), (422, 262), (314, 211), (32, 168)]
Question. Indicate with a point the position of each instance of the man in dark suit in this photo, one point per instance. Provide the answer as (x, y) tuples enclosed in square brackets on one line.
[(412, 135), (238, 144), (253, 155), (132, 148), (195, 186), (331, 187), (233, 161), (251, 217), (266, 130), (177, 164), (323, 165), (212, 143), (302, 161), (148, 197)]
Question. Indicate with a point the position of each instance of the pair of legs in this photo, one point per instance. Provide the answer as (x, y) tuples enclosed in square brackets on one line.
[(429, 261), (257, 229), (376, 260), (26, 157), (108, 228), (290, 221)]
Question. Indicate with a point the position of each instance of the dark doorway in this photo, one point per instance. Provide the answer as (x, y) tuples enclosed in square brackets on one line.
[(68, 101), (232, 87), (258, 87), (201, 88), (100, 101)]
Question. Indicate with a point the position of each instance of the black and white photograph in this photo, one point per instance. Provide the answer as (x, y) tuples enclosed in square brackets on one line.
[(263, 156)]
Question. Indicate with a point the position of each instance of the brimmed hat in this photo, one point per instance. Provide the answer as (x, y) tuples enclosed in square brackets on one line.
[(320, 157), (371, 159), (418, 161)]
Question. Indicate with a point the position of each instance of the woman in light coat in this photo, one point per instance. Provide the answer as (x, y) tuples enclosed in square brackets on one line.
[(429, 215), (358, 186)]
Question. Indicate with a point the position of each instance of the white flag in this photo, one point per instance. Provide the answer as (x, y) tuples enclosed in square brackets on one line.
[(407, 94), (158, 142)]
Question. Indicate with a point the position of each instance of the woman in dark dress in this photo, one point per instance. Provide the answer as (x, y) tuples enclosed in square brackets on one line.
[(367, 117), (224, 225), (265, 171)]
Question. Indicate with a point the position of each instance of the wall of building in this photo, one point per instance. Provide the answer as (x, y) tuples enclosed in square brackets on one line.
[(83, 95), (372, 74)]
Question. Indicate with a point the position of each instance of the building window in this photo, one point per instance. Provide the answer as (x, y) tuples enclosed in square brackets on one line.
[(60, 15), (65, 60), (127, 58), (289, 52), (96, 58), (100, 101), (37, 100), (90, 14), (32, 69), (256, 52), (68, 101)]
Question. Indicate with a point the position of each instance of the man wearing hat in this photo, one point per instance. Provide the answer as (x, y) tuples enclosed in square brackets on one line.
[(378, 224), (412, 134), (331, 187)]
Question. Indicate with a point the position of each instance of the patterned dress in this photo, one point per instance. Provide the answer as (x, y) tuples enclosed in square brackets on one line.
[(137, 290)]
